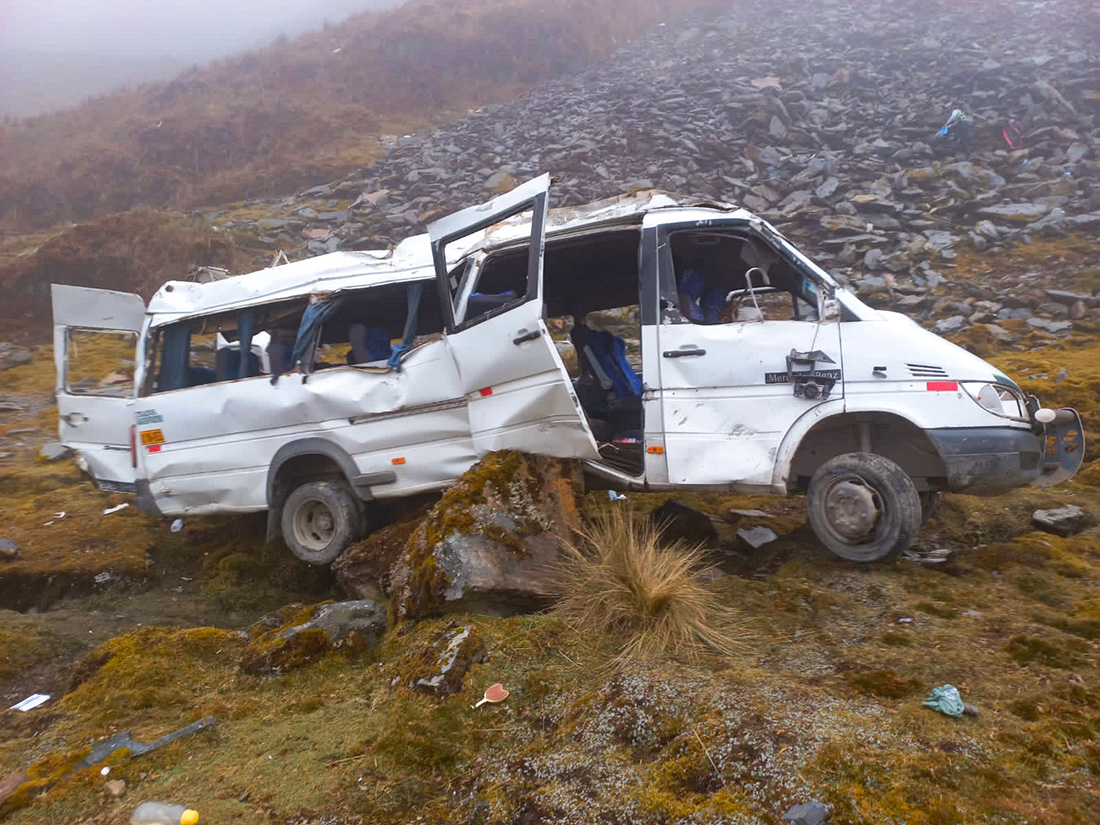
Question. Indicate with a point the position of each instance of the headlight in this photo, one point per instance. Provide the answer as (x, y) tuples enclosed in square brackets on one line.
[(997, 399)]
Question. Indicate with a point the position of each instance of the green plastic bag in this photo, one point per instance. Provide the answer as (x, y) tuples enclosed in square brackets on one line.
[(946, 700)]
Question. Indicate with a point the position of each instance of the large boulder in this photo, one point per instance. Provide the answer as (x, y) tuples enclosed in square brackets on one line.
[(363, 570), (490, 542), (297, 635)]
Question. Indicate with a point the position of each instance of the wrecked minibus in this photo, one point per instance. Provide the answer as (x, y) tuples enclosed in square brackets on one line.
[(667, 343)]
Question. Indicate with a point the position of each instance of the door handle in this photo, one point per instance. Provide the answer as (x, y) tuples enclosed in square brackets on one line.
[(75, 419), (529, 336), (684, 353)]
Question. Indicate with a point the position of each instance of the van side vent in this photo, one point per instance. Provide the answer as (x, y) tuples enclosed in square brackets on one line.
[(926, 371)]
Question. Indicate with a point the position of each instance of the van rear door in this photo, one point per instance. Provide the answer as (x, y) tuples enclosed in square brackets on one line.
[(95, 338), (518, 392)]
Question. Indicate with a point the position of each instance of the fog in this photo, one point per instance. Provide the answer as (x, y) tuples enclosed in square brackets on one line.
[(54, 53)]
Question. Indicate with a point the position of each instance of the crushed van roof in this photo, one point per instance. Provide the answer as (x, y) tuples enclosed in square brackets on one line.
[(410, 260)]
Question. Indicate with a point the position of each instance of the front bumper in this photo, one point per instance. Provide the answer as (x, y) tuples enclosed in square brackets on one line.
[(993, 460), (988, 460)]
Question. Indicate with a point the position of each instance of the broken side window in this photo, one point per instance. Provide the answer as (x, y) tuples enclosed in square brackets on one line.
[(99, 362), (720, 278), (372, 327), (227, 346), (483, 285)]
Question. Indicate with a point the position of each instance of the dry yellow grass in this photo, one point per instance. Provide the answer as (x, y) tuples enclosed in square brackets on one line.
[(621, 580)]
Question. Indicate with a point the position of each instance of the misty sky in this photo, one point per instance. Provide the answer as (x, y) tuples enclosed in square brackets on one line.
[(54, 52)]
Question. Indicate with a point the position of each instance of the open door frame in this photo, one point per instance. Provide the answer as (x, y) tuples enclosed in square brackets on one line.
[(533, 195), (96, 427), (518, 393)]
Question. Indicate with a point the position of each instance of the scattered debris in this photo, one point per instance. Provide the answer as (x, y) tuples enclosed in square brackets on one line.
[(757, 537), (31, 702), (1064, 521), (678, 522), (807, 813), (56, 517), (116, 508), (103, 749), (749, 514), (54, 451), (9, 550), (494, 694), (936, 556), (177, 525), (611, 494), (946, 700), (162, 813)]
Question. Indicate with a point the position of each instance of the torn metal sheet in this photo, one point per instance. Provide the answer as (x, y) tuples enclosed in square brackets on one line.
[(31, 702), (102, 750)]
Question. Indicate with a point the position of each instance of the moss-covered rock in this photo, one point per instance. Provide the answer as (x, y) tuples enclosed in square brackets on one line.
[(440, 667), (363, 570), (489, 544), (310, 633)]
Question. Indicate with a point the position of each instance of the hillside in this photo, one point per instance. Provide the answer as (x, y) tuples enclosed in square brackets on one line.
[(276, 119), (824, 121)]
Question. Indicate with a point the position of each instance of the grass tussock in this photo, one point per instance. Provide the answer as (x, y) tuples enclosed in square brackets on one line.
[(621, 581)]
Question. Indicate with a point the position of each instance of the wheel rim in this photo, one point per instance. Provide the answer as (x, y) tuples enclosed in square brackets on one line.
[(853, 509), (314, 525)]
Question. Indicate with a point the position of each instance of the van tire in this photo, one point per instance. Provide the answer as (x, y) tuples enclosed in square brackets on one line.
[(320, 519), (863, 507)]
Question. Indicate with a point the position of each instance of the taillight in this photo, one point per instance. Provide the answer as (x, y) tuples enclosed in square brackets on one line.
[(133, 446)]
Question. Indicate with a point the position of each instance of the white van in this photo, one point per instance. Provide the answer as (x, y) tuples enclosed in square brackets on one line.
[(705, 352)]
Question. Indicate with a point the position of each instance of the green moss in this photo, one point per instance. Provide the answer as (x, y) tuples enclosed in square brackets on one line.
[(884, 683), (441, 665), (1065, 655), (152, 668), (939, 610), (24, 642), (896, 639), (1042, 590)]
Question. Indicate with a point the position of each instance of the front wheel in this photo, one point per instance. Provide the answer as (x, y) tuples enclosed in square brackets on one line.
[(863, 507), (320, 519)]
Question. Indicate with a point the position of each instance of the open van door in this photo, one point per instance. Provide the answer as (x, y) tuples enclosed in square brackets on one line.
[(94, 341), (518, 392)]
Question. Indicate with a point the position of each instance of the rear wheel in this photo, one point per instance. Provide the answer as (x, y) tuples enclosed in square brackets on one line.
[(863, 507), (320, 519)]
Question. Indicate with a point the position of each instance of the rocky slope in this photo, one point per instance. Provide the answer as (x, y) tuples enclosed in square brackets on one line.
[(825, 123)]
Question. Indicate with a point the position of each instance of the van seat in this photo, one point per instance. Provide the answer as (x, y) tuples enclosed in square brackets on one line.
[(479, 302), (603, 356), (227, 364), (279, 355), (368, 343)]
